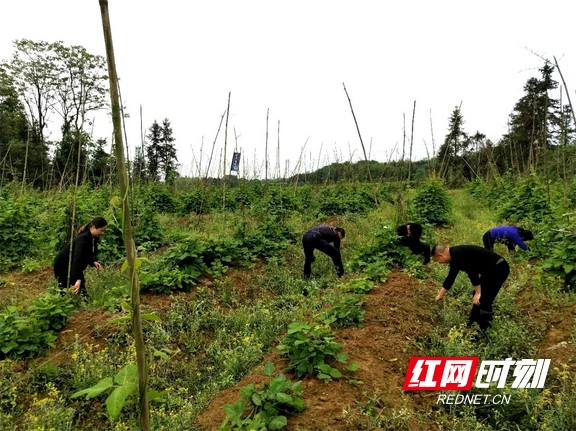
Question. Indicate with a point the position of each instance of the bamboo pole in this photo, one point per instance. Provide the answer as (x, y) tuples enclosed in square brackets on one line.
[(361, 143), (266, 148), (127, 223), (224, 157), (411, 143), (214, 145), (278, 174)]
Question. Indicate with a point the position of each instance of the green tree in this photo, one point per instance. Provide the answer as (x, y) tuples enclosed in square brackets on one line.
[(534, 123), (19, 146), (100, 163), (153, 151), (168, 158), (139, 165), (452, 153), (51, 78), (35, 73)]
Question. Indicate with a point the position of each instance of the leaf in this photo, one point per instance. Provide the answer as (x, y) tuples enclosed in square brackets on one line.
[(353, 366), (95, 390), (268, 368), (116, 400), (256, 399), (156, 395), (284, 398), (278, 422), (127, 375)]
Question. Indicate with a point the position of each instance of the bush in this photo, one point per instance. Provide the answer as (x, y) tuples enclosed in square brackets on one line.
[(16, 232), (432, 204)]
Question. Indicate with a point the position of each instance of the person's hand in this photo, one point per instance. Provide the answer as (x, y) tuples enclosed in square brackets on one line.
[(75, 288), (476, 299), (97, 265), (440, 295)]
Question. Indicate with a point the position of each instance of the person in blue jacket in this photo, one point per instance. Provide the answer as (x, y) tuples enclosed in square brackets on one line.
[(511, 236), (326, 239)]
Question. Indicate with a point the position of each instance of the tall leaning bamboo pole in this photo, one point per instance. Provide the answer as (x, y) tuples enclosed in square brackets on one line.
[(361, 142), (266, 148), (127, 228), (224, 158), (411, 143)]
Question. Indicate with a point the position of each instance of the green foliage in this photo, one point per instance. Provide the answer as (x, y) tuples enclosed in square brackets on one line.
[(359, 285), (25, 332), (384, 253), (16, 231), (346, 311), (125, 384), (264, 408), (161, 199), (559, 249), (345, 199), (527, 202), (309, 347), (181, 266), (432, 203)]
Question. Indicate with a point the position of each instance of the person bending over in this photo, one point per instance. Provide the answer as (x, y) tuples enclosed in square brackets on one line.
[(486, 270), (410, 237), (511, 236), (70, 272), (326, 239)]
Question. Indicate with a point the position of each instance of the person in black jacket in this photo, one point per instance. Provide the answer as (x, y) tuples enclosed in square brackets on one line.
[(486, 270), (320, 238), (410, 235), (84, 254)]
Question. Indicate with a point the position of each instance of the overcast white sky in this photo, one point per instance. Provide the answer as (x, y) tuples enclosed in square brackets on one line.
[(180, 59)]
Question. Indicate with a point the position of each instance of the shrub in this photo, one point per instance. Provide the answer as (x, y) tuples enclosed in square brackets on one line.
[(309, 347), (432, 203)]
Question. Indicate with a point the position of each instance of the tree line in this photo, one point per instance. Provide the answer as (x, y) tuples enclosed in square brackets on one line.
[(51, 83)]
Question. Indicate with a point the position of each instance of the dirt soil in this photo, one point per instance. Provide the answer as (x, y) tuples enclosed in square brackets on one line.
[(397, 313)]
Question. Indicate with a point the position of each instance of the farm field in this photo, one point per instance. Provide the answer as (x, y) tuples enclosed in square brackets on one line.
[(222, 288)]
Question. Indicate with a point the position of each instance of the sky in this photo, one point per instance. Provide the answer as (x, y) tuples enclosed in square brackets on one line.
[(289, 61)]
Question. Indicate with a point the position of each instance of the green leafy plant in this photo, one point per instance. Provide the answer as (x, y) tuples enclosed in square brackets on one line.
[(359, 285), (16, 232), (346, 311), (382, 254), (124, 384), (27, 331), (311, 349), (432, 203), (263, 408)]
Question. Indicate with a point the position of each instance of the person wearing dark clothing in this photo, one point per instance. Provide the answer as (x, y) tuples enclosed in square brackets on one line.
[(511, 236), (486, 270), (322, 237), (410, 237), (84, 254)]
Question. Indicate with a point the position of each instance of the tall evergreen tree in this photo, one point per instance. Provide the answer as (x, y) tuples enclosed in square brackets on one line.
[(100, 163), (153, 151), (534, 121), (168, 158), (452, 151), (139, 165)]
